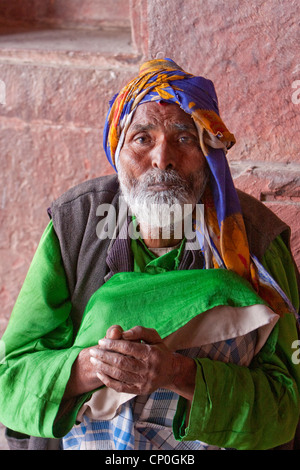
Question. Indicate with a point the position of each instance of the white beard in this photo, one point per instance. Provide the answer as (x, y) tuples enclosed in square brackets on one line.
[(165, 209)]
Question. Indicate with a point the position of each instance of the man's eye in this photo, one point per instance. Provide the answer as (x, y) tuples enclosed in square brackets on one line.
[(141, 139), (187, 139)]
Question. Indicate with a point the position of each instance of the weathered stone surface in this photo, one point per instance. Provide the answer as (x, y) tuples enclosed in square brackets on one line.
[(268, 181), (60, 95), (249, 50), (289, 213), (58, 13), (278, 186)]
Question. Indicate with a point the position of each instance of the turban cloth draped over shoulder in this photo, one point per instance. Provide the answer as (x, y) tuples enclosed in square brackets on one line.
[(223, 231)]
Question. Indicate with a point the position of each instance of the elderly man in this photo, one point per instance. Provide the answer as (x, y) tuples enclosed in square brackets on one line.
[(142, 329)]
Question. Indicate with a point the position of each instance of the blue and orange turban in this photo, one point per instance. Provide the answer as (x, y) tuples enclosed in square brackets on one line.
[(224, 231)]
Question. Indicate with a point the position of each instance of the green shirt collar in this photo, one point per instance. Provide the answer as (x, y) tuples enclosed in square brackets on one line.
[(146, 261)]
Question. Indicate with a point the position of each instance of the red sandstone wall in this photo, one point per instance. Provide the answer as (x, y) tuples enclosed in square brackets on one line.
[(61, 13), (58, 83), (58, 80)]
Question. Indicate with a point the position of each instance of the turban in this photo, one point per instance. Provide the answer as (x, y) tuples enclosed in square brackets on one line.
[(223, 231)]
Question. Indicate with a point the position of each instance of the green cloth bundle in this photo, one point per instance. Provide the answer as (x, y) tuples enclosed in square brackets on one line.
[(165, 302)]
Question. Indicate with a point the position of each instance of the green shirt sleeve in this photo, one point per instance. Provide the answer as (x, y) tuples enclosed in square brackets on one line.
[(38, 357), (256, 407)]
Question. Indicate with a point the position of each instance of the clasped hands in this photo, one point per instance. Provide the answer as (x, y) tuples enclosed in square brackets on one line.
[(134, 361)]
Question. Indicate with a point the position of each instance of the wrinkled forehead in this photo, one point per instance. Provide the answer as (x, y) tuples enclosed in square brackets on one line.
[(160, 113)]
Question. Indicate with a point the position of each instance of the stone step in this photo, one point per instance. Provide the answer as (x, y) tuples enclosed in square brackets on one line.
[(66, 13), (71, 47)]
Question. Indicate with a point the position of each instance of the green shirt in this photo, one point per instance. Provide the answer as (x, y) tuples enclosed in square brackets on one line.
[(145, 261), (233, 406)]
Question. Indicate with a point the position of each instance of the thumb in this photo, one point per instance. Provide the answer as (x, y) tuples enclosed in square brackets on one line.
[(140, 333), (114, 332)]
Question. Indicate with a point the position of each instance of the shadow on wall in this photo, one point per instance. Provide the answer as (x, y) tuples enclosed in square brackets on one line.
[(65, 13)]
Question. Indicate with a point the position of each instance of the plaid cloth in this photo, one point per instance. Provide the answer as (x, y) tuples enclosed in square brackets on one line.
[(145, 422)]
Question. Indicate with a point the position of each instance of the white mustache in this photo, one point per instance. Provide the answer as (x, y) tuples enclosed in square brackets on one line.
[(168, 177)]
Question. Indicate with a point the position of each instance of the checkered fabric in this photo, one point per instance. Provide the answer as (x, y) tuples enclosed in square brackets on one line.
[(145, 422)]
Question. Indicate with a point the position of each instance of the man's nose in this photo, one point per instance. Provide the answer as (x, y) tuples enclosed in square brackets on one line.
[(163, 156)]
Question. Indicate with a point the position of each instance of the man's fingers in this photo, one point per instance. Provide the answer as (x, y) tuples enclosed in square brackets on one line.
[(148, 335), (126, 363), (120, 387), (122, 374), (119, 372), (134, 349), (114, 332)]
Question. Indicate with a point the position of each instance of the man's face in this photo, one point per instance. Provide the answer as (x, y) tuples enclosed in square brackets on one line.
[(161, 161)]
